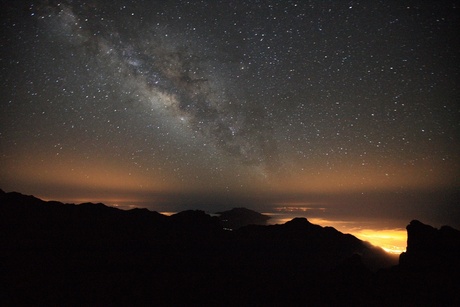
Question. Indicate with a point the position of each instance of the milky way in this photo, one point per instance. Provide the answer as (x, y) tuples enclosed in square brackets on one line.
[(172, 76), (245, 97)]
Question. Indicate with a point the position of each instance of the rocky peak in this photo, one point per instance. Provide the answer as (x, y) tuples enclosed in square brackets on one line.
[(428, 246)]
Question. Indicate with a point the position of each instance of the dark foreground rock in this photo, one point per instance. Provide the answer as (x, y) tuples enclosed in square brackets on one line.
[(428, 273), (91, 254)]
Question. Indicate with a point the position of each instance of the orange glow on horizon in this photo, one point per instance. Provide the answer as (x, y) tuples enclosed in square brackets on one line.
[(391, 240)]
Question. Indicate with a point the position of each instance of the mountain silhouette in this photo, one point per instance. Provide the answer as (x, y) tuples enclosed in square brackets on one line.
[(91, 254)]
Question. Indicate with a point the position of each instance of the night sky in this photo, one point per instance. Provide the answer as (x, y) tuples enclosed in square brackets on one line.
[(182, 104)]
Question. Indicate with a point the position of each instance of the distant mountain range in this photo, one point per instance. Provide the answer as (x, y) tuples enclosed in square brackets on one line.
[(240, 217), (91, 254)]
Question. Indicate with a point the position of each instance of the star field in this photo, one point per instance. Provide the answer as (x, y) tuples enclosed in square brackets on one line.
[(229, 97)]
